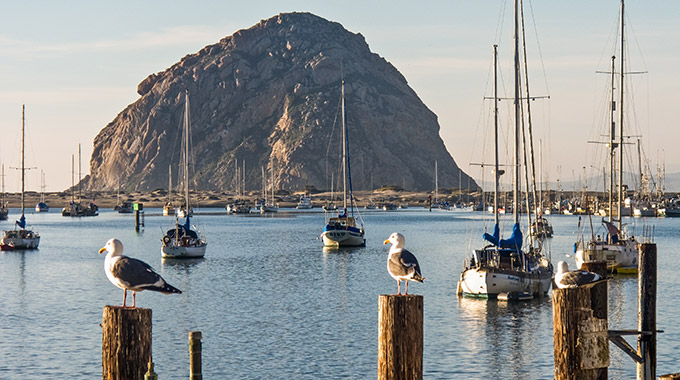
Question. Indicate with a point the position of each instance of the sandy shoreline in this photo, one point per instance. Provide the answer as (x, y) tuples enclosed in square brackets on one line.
[(152, 199)]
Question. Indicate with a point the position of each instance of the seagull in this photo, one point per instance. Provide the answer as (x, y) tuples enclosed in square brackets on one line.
[(132, 274), (576, 278), (401, 264)]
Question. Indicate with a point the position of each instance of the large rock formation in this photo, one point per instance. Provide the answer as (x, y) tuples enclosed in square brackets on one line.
[(270, 96)]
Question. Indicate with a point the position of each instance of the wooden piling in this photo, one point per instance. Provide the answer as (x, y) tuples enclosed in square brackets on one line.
[(646, 347), (400, 337), (581, 346), (126, 342), (195, 347), (598, 293)]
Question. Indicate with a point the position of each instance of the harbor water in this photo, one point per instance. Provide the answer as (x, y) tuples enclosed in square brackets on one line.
[(272, 303)]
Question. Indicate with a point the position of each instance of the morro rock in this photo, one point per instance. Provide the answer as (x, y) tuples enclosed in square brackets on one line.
[(270, 96)]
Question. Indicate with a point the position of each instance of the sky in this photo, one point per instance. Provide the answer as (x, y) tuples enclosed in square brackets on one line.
[(76, 65)]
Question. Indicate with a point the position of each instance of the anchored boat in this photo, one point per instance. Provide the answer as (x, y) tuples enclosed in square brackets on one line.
[(342, 230), (21, 237), (503, 266), (184, 240)]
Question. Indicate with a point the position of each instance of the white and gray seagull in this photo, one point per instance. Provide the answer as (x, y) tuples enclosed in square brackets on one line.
[(131, 274), (575, 278), (401, 264)]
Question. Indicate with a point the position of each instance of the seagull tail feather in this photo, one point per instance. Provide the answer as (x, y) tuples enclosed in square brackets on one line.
[(591, 284), (165, 289)]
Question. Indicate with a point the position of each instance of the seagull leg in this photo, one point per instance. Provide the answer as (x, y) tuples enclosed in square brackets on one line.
[(124, 296), (398, 287), (406, 291), (134, 303)]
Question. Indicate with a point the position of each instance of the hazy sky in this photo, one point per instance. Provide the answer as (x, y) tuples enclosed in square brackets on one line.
[(76, 65)]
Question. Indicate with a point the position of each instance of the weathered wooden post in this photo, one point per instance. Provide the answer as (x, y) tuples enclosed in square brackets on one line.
[(126, 342), (195, 347), (599, 299), (581, 346), (400, 337), (646, 347)]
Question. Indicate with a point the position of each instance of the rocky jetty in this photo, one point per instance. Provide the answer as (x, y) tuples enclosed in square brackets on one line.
[(269, 96)]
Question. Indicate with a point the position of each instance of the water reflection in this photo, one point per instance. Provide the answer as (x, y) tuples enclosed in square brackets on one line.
[(509, 335), (183, 265), (340, 250)]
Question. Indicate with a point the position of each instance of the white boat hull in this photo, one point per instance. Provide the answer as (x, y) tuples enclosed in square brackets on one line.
[(487, 282), (22, 243), (180, 252), (621, 255), (342, 238), (265, 209)]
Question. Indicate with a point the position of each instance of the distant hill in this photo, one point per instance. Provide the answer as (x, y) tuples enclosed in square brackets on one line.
[(269, 96), (672, 184)]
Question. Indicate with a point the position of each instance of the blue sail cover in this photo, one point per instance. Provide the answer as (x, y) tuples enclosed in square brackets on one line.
[(493, 239), (515, 240), (21, 222), (182, 231), (613, 231)]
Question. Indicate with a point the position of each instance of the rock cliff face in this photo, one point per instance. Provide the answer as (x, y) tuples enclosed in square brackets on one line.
[(270, 96)]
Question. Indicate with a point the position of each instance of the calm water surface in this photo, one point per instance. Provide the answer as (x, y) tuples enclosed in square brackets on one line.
[(271, 303)]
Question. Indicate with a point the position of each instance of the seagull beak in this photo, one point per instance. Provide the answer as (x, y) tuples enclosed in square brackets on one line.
[(102, 250), (386, 241)]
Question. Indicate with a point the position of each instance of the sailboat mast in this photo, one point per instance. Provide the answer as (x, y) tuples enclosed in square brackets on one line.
[(23, 172), (186, 150), (495, 134), (612, 144), (42, 186), (79, 175), (344, 148), (621, 117), (436, 182), (169, 183), (515, 201), (73, 181)]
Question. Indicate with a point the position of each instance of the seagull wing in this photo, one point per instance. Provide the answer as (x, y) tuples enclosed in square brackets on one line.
[(579, 278), (409, 261), (396, 266), (136, 274)]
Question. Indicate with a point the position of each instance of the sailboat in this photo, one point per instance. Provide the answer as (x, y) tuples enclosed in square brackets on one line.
[(21, 238), (330, 204), (267, 205), (168, 208), (77, 208), (42, 206), (616, 248), (239, 206), (4, 210), (504, 268), (342, 230), (123, 207), (183, 241)]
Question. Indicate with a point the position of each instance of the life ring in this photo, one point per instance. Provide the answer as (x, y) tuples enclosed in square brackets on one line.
[(166, 240)]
